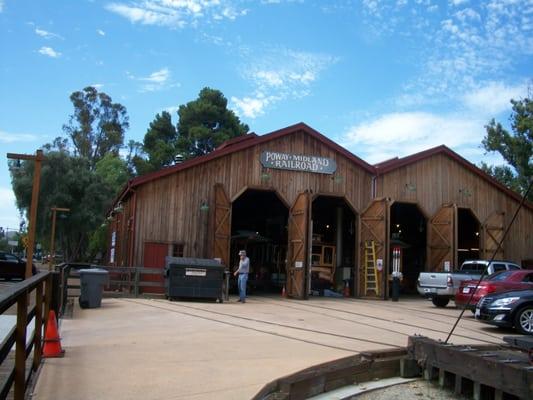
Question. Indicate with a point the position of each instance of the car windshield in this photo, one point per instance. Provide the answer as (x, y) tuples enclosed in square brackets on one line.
[(499, 276)]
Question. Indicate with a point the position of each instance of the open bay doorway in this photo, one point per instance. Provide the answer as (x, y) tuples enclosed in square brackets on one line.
[(408, 232), (468, 231), (333, 248), (259, 226)]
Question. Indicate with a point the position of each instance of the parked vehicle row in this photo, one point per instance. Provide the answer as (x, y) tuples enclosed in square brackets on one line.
[(441, 287), (504, 298)]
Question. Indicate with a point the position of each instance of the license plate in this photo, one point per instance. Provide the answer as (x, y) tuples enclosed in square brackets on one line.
[(477, 313), (466, 290), (430, 290)]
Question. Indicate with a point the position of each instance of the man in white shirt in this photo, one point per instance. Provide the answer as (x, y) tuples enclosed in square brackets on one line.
[(242, 272)]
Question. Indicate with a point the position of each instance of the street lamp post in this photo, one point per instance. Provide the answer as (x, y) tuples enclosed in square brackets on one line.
[(38, 158), (52, 240)]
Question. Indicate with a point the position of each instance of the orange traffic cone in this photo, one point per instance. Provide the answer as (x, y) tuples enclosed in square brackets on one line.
[(346, 291), (52, 341), (283, 293)]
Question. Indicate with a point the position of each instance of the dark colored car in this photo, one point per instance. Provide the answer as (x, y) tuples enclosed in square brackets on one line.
[(12, 267), (508, 309), (495, 283)]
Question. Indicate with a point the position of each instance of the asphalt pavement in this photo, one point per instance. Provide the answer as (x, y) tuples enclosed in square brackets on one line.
[(158, 349)]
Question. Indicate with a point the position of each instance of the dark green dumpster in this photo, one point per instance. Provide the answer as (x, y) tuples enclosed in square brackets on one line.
[(194, 278)]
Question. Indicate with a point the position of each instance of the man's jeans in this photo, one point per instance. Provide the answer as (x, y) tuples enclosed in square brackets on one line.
[(243, 278)]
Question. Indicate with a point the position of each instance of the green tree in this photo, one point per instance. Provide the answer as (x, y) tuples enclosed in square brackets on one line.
[(516, 147), (205, 123), (66, 181), (113, 171), (97, 125), (159, 145), (502, 173)]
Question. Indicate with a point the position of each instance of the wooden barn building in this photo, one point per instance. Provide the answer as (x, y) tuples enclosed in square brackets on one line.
[(313, 216)]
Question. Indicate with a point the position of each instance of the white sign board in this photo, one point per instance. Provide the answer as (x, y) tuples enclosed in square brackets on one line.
[(447, 266), (298, 264), (298, 162), (195, 272), (379, 264)]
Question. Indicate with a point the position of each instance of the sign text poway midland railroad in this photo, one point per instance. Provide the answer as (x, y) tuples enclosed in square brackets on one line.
[(298, 162)]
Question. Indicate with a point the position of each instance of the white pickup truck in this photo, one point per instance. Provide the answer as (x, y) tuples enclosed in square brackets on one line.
[(440, 287)]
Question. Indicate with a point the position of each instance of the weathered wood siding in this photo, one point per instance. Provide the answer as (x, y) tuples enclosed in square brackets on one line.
[(168, 209), (439, 179)]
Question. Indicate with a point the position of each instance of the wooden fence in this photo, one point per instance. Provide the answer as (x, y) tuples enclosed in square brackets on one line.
[(123, 281), (29, 299)]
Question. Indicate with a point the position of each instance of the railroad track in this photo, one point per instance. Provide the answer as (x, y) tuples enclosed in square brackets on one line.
[(360, 314), (240, 321), (172, 307)]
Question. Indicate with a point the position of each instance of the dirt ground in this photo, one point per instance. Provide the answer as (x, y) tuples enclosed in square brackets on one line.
[(419, 389)]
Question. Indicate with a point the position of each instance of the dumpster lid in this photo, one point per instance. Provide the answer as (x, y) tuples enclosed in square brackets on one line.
[(95, 271), (192, 262)]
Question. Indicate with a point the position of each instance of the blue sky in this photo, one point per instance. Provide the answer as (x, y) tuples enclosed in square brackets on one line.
[(382, 78)]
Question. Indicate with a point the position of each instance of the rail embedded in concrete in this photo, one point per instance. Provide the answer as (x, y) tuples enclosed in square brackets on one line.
[(17, 378)]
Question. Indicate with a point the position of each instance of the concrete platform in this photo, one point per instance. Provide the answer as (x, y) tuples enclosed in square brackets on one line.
[(157, 349)]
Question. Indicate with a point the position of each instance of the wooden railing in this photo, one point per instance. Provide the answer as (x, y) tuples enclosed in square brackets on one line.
[(124, 281), (28, 307)]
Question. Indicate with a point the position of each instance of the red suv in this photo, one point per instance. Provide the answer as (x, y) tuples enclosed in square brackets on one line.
[(497, 282)]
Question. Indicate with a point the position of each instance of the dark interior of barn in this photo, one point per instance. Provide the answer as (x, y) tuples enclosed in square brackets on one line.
[(408, 232), (333, 247), (259, 226), (468, 229)]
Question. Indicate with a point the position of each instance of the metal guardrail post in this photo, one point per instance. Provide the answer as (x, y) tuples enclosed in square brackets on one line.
[(20, 351), (136, 282)]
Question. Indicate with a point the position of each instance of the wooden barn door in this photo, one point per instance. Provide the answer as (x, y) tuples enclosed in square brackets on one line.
[(297, 251), (374, 228), (442, 237), (154, 257), (222, 231), (493, 229)]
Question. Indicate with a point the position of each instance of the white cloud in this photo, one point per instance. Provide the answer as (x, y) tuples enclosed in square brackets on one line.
[(156, 81), (176, 13), (97, 85), (10, 137), (493, 98), (46, 34), (48, 51), (100, 32), (1, 5), (401, 134), (464, 43), (274, 81), (9, 214), (252, 107)]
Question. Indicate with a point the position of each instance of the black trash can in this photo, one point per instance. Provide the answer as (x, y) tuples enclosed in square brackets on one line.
[(92, 282), (194, 278)]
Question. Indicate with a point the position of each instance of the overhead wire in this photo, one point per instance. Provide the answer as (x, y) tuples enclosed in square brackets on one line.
[(484, 272)]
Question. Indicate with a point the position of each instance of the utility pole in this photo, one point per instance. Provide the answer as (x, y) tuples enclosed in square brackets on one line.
[(52, 240), (38, 158)]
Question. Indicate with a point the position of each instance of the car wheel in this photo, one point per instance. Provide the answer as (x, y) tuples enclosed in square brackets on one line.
[(440, 301), (523, 321)]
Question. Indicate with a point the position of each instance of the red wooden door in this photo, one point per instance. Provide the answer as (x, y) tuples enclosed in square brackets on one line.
[(154, 257)]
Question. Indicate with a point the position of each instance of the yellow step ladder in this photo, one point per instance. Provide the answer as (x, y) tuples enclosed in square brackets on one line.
[(371, 271)]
